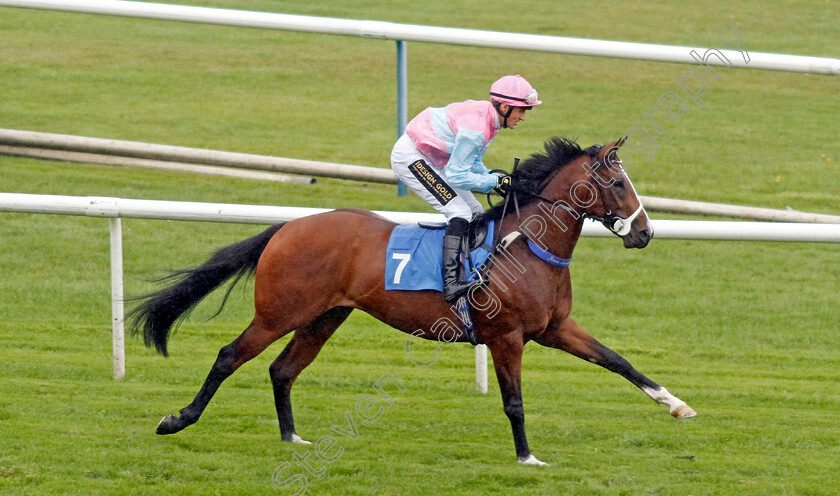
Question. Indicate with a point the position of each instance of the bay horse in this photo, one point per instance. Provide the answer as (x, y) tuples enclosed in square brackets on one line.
[(312, 272)]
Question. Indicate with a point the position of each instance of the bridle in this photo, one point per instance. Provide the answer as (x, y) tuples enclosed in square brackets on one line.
[(620, 226), (617, 225)]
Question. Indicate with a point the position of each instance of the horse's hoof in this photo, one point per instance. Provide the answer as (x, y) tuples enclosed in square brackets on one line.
[(683, 412), (299, 440), (531, 460), (168, 425)]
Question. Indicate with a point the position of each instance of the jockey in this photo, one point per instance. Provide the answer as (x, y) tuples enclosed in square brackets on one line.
[(440, 158)]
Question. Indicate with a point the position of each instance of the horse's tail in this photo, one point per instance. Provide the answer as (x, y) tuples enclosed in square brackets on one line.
[(163, 310)]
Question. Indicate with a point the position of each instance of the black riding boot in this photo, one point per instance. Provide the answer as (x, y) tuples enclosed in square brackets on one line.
[(453, 240)]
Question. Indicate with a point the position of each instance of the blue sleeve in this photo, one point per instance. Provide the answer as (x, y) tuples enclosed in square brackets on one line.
[(466, 157), (479, 167)]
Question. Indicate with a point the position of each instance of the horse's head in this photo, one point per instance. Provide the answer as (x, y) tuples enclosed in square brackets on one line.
[(612, 199), (584, 183)]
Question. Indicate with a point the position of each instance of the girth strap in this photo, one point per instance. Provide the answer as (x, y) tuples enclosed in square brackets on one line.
[(462, 310)]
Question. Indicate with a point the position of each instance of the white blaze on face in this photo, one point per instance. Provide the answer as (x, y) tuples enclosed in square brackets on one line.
[(622, 227)]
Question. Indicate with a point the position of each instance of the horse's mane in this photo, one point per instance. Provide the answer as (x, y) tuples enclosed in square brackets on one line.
[(530, 175)]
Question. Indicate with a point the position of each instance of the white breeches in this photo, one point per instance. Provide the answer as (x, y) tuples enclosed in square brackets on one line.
[(429, 182)]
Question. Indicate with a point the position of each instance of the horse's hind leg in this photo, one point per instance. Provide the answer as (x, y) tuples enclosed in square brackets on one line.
[(249, 344), (571, 338), (298, 354)]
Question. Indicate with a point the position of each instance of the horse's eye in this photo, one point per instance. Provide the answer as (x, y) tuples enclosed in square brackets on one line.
[(619, 184)]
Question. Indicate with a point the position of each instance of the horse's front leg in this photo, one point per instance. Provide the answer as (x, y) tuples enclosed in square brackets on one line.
[(569, 336), (507, 359)]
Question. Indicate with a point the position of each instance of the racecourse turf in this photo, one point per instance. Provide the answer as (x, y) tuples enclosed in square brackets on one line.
[(745, 332)]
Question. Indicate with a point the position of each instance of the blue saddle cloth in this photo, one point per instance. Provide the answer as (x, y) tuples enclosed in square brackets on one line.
[(414, 258)]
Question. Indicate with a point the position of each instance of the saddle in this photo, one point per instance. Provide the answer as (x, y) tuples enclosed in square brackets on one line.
[(413, 261), (413, 256)]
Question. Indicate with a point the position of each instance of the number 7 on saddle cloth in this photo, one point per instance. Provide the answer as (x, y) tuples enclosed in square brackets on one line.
[(413, 258)]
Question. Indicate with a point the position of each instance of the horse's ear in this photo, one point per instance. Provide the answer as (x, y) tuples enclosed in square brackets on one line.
[(612, 147)]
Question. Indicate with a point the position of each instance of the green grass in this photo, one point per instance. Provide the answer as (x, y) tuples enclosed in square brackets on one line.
[(746, 333)]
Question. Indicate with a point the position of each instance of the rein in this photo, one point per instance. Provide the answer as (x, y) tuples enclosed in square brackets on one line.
[(544, 255)]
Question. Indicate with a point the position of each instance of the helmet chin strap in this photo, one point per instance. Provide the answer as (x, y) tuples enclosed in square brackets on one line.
[(504, 115)]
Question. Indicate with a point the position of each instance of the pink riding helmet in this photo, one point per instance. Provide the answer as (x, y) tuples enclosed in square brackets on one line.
[(515, 91)]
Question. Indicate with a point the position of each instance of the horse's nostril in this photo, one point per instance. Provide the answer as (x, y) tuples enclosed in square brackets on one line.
[(645, 234)]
